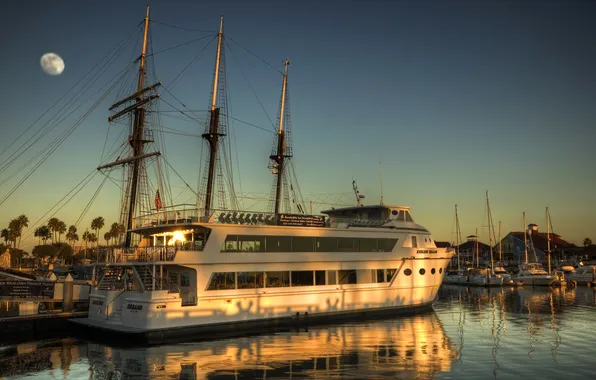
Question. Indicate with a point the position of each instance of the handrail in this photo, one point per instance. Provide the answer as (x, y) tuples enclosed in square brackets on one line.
[(113, 299)]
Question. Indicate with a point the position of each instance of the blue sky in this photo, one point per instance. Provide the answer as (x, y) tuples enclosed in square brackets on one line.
[(454, 97)]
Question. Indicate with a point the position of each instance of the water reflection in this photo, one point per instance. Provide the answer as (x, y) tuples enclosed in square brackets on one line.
[(412, 347), (473, 333)]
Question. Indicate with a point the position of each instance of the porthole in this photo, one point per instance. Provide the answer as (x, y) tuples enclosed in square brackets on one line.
[(394, 212), (440, 270), (407, 271), (425, 239), (422, 271), (432, 271)]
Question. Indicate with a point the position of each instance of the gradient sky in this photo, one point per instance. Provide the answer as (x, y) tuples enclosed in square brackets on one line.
[(454, 97)]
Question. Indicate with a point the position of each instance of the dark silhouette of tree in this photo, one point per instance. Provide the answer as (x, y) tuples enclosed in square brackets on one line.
[(587, 242), (97, 224)]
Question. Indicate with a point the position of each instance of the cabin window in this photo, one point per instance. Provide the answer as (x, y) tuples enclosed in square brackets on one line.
[(390, 273), (440, 270), (414, 242), (347, 277), (222, 280), (326, 244), (303, 244), (408, 217), (231, 244), (278, 244), (278, 279), (380, 275), (250, 280), (249, 243), (432, 271), (331, 277), (422, 271), (302, 278), (319, 277), (184, 279), (407, 271), (347, 245), (368, 245), (386, 245), (401, 215)]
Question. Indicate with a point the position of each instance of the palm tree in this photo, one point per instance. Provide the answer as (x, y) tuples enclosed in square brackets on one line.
[(72, 236), (45, 233), (5, 234), (23, 222), (86, 239), (14, 231), (587, 242), (60, 229), (97, 224), (53, 225), (107, 236), (117, 230)]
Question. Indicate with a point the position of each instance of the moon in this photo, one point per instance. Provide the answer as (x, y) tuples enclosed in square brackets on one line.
[(52, 64)]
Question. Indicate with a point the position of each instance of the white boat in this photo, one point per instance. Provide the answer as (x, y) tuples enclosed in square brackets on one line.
[(204, 270), (459, 276), (484, 277), (500, 271), (533, 274), (582, 275)]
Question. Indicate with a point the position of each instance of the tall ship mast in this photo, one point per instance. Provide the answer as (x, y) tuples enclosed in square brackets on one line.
[(135, 104), (208, 268)]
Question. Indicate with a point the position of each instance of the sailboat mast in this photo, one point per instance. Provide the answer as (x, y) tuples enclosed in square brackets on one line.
[(548, 238), (457, 237), (490, 237), (214, 134), (525, 238), (477, 257), (136, 140), (279, 157), (500, 242)]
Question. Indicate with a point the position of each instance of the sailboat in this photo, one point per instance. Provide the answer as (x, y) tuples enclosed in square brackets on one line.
[(459, 276), (486, 276), (206, 270), (532, 273)]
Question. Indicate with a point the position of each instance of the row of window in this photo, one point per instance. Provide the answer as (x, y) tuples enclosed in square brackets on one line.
[(280, 279), (422, 271), (260, 243)]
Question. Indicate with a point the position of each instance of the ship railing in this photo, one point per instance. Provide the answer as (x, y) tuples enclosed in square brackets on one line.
[(220, 217), (144, 254)]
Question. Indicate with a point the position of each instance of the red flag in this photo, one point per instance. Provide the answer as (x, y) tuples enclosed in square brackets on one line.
[(158, 204)]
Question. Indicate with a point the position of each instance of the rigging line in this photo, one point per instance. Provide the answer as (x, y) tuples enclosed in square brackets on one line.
[(88, 178), (171, 111), (261, 59), (58, 143), (252, 125), (182, 27), (182, 112), (86, 209), (182, 134), (180, 45), (57, 138), (53, 124), (179, 101), (249, 85), (124, 41), (179, 176), (173, 83)]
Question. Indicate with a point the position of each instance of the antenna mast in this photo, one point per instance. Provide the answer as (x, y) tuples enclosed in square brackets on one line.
[(280, 154), (214, 133), (357, 193), (457, 236), (525, 238), (381, 177), (490, 237)]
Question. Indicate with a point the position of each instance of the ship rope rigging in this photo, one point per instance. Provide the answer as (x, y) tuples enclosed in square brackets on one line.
[(145, 146)]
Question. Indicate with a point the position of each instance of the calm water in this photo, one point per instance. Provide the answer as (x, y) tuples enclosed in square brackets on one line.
[(474, 333)]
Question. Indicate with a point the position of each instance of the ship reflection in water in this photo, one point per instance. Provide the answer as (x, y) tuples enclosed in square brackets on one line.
[(415, 347), (474, 333)]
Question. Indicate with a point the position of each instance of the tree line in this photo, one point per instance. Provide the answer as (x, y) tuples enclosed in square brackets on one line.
[(54, 230)]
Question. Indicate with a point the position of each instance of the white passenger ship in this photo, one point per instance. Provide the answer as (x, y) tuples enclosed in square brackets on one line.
[(206, 270)]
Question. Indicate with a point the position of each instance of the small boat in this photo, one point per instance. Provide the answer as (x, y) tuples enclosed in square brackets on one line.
[(459, 276), (583, 275), (534, 274), (484, 277)]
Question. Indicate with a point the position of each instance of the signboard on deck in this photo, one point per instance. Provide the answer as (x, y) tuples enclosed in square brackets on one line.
[(301, 220), (26, 289)]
